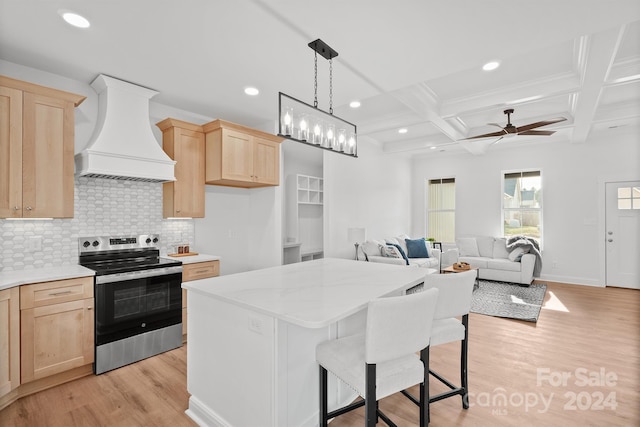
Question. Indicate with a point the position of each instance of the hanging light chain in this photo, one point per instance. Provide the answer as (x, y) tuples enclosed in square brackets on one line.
[(331, 86), (315, 83)]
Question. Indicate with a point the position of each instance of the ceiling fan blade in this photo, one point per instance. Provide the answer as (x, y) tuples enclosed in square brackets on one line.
[(538, 132), (540, 124), (486, 135)]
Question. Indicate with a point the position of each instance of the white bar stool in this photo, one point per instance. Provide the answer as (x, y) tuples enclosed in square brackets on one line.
[(383, 360)]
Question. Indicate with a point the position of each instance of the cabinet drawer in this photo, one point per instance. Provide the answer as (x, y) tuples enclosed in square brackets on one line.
[(200, 270), (46, 293)]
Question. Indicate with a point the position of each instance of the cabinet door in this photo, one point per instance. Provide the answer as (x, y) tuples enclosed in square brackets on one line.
[(10, 153), (266, 161), (188, 189), (56, 338), (237, 156), (9, 340), (47, 168)]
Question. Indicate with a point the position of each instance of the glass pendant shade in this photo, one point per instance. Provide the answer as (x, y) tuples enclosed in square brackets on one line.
[(304, 123)]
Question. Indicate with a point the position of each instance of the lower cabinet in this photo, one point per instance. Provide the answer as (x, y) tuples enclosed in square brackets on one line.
[(9, 340), (195, 271), (57, 327)]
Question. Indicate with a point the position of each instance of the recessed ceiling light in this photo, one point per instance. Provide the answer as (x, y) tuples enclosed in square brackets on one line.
[(433, 147), (403, 130), (251, 91), (490, 66), (74, 19), (354, 104)]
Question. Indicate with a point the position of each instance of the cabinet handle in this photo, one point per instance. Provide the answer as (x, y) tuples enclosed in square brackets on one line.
[(17, 208), (89, 308), (55, 294), (29, 208), (201, 271)]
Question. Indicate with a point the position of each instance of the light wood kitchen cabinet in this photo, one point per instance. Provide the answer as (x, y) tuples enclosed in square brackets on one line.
[(238, 156), (36, 150), (184, 143), (9, 340), (57, 322), (195, 271)]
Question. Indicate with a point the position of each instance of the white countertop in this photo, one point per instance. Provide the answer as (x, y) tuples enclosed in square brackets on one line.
[(310, 294), (193, 258), (9, 279)]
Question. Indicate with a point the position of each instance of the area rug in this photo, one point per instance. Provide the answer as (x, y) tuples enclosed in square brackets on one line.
[(510, 300)]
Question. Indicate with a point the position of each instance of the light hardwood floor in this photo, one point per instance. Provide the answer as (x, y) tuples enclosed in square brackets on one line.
[(582, 333)]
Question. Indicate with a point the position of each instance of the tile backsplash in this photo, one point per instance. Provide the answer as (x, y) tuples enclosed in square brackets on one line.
[(103, 207)]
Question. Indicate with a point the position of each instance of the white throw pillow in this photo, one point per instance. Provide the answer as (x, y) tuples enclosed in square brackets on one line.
[(402, 243), (371, 248), (500, 248), (516, 254), (390, 251), (467, 246), (485, 246)]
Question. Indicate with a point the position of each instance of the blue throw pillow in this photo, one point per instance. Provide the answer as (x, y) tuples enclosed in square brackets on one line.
[(401, 251), (417, 248)]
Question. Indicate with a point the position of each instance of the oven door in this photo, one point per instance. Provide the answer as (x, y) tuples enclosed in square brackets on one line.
[(132, 306)]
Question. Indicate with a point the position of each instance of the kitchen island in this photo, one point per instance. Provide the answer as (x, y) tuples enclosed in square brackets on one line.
[(252, 337)]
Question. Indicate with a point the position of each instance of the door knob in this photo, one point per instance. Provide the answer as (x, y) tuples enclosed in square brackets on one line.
[(610, 233), (609, 240)]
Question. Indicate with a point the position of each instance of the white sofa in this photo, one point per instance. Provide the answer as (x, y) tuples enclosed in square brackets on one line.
[(494, 260), (378, 251)]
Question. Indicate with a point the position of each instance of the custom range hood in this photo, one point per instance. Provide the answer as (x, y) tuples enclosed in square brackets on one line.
[(123, 145)]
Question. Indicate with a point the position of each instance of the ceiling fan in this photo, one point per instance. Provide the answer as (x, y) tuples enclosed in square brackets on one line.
[(510, 129)]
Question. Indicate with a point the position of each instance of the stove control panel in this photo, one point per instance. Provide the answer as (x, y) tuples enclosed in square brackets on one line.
[(109, 243)]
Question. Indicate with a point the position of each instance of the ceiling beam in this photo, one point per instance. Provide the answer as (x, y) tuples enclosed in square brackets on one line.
[(601, 50)]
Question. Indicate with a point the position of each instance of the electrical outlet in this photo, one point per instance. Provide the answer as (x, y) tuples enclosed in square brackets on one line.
[(255, 325)]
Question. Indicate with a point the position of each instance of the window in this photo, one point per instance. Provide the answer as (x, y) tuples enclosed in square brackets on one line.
[(522, 204), (629, 198), (441, 209)]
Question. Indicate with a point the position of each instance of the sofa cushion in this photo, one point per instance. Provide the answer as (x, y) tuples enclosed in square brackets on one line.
[(503, 264), (424, 262), (467, 246), (485, 246), (500, 248), (516, 254), (475, 261), (417, 248)]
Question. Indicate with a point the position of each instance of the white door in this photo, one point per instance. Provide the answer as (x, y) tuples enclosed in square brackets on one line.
[(622, 234)]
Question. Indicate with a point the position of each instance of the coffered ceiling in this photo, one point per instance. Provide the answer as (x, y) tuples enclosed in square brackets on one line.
[(412, 64)]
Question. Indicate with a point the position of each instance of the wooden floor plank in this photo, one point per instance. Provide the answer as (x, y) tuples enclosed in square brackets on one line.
[(592, 330)]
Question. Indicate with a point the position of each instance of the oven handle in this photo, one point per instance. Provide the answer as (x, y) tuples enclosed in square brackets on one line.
[(121, 277)]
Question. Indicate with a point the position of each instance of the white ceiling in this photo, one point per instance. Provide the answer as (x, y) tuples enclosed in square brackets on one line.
[(411, 63)]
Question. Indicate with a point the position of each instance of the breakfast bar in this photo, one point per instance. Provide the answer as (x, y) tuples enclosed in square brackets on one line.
[(252, 337)]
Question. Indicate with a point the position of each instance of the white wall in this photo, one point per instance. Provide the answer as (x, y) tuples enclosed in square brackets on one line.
[(573, 196), (372, 191)]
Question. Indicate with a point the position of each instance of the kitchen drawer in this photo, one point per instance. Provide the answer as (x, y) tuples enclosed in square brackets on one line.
[(200, 270), (47, 293)]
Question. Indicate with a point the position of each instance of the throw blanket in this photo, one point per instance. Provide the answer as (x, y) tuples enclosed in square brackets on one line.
[(527, 243)]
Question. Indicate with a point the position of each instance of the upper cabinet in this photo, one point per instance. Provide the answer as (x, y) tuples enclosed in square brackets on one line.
[(184, 143), (36, 150), (238, 156)]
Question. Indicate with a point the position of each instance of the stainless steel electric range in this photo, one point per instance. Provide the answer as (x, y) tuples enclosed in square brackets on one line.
[(138, 299)]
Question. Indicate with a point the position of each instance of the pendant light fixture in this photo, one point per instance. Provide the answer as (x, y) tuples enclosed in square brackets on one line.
[(308, 124)]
